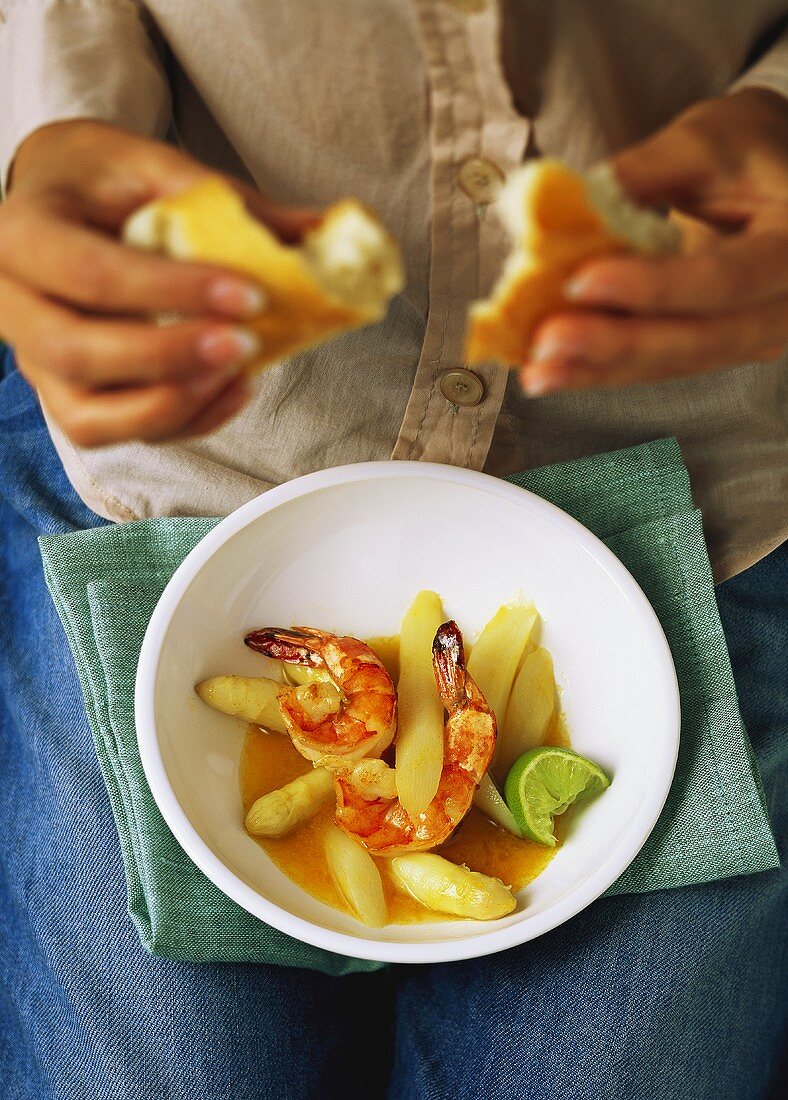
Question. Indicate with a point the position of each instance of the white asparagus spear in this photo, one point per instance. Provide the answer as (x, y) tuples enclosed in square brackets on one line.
[(420, 724), (449, 888), (531, 706), (490, 801), (496, 656), (356, 877), (279, 812), (254, 698)]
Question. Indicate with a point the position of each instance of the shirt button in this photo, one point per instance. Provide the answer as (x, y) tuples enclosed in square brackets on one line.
[(462, 387), (481, 180)]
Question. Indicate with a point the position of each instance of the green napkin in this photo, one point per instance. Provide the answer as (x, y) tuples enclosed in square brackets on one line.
[(105, 583)]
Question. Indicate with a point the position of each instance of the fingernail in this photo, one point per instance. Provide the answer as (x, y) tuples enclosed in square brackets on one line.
[(537, 387), (577, 287), (537, 383), (227, 295), (229, 347), (552, 348), (596, 290)]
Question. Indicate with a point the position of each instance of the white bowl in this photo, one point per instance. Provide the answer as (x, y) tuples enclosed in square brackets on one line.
[(347, 549)]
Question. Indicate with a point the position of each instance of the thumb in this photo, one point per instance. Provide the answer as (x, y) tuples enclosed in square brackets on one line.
[(671, 168), (172, 172), (290, 223), (159, 171)]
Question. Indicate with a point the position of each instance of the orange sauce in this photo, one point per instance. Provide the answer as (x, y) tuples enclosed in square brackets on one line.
[(269, 761)]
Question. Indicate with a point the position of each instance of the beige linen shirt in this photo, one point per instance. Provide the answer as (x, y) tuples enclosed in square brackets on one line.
[(417, 107)]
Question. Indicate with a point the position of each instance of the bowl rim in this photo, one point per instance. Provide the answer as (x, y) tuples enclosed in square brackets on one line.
[(356, 946)]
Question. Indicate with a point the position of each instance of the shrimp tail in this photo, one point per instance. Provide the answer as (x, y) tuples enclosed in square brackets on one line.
[(448, 662), (284, 645)]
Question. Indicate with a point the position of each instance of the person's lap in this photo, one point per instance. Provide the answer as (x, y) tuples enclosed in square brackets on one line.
[(85, 1011), (657, 995), (675, 994)]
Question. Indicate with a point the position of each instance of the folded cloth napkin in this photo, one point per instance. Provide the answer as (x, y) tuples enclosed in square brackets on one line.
[(106, 581)]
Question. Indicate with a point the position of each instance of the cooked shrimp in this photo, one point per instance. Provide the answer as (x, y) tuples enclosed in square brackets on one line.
[(352, 715), (382, 824)]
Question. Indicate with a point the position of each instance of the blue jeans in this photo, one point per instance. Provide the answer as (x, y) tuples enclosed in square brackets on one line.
[(655, 997)]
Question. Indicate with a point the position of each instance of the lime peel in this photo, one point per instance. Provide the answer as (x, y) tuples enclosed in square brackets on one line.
[(543, 783)]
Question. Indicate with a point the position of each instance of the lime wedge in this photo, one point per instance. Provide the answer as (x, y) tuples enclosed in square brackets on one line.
[(546, 781)]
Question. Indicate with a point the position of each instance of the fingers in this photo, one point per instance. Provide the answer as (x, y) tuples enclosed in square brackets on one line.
[(82, 266), (744, 271), (92, 352), (577, 350), (185, 377), (94, 418), (106, 354), (222, 408)]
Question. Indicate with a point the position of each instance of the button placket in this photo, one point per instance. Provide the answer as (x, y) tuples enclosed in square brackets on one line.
[(503, 139), (468, 126), (425, 432)]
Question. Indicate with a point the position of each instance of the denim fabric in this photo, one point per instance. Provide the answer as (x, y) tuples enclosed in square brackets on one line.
[(657, 996)]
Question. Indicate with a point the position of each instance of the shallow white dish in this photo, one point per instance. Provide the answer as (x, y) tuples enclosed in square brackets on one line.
[(347, 549)]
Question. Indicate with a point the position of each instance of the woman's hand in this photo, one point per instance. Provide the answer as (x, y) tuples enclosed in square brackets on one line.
[(725, 163), (76, 304)]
